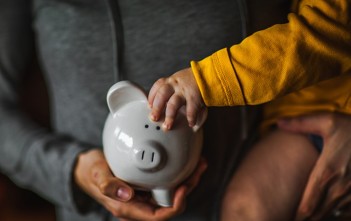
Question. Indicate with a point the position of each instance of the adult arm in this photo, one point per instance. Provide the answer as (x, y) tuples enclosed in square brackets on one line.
[(314, 45), (59, 168), (29, 154)]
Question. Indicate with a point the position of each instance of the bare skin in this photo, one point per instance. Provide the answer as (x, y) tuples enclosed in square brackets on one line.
[(168, 95), (329, 184), (270, 180), (93, 176), (306, 185)]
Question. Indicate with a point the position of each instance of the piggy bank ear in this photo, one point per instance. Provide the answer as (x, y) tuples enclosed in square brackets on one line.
[(122, 93), (201, 119)]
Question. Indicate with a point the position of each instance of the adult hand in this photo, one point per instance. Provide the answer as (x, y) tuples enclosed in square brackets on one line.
[(169, 94), (329, 183), (93, 175)]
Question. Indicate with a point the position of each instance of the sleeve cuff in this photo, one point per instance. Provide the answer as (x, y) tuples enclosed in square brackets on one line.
[(217, 80)]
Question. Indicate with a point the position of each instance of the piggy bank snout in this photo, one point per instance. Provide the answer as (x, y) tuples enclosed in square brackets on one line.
[(150, 156)]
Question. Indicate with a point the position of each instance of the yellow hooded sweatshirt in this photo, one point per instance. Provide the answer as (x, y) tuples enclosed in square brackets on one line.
[(315, 45)]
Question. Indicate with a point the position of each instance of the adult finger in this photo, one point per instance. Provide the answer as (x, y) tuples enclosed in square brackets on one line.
[(320, 179), (179, 203), (306, 124), (335, 194), (109, 185), (143, 211)]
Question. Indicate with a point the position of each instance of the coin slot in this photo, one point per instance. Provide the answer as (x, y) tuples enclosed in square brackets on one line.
[(142, 155)]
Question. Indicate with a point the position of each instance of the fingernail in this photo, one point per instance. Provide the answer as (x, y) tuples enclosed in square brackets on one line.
[(153, 117), (123, 193), (166, 126)]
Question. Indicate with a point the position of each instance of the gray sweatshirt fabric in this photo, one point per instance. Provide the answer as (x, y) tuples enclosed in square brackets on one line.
[(83, 47)]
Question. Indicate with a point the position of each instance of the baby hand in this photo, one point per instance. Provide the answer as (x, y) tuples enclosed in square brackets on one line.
[(171, 93)]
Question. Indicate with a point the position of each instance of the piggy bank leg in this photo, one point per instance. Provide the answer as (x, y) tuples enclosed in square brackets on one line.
[(163, 197)]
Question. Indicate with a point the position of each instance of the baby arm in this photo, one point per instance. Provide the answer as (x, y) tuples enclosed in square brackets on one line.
[(169, 94)]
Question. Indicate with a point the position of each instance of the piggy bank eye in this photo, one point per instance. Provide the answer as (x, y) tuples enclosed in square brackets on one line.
[(158, 128), (146, 126)]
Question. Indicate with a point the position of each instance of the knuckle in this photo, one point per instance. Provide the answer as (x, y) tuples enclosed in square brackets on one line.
[(174, 102), (164, 90), (104, 188), (160, 81), (172, 81)]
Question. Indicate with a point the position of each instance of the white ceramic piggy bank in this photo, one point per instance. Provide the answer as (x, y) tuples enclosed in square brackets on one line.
[(140, 152)]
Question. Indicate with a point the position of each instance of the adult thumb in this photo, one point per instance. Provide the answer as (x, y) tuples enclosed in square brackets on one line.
[(110, 185), (312, 124)]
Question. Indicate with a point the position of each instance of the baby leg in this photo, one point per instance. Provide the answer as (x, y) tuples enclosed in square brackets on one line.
[(270, 180)]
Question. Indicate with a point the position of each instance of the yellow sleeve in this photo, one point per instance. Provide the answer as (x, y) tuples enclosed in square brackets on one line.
[(313, 46)]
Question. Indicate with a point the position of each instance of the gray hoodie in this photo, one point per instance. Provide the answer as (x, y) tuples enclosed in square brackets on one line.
[(83, 47)]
